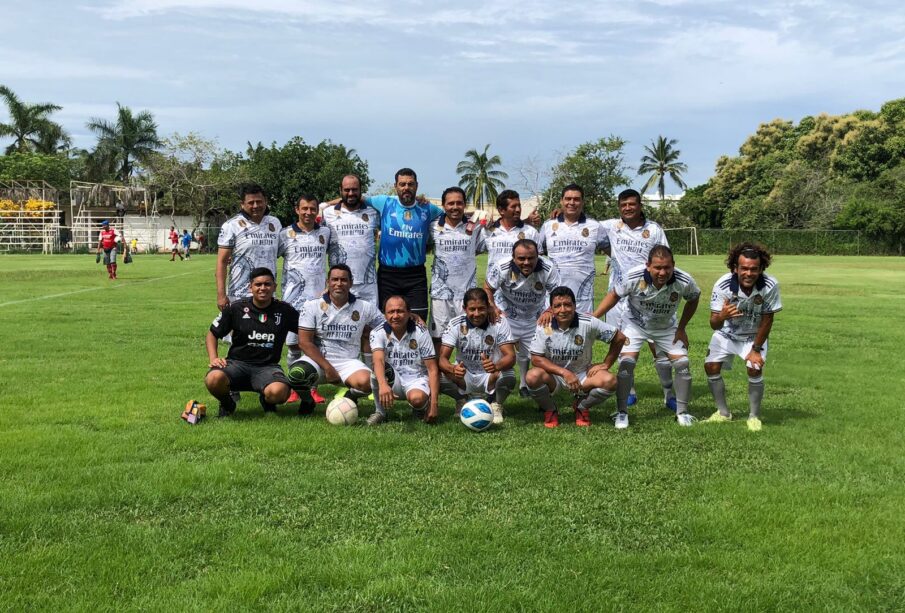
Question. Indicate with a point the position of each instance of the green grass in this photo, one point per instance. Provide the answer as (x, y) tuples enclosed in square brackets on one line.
[(109, 501)]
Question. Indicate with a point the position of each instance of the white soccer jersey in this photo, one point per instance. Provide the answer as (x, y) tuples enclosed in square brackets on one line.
[(571, 348), (253, 245), (353, 241), (764, 298), (304, 263), (573, 247), (523, 297), (455, 269), (499, 240), (630, 247), (655, 309), (471, 341), (337, 331), (407, 354)]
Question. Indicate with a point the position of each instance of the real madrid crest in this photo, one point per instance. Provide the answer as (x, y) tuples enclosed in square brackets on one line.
[(674, 297), (538, 286), (291, 233), (356, 315), (488, 339), (271, 227), (413, 344), (364, 217), (548, 329), (579, 340), (242, 223), (646, 233), (758, 299), (642, 285), (324, 306), (463, 329), (407, 216), (555, 226), (320, 239), (585, 233), (521, 235)]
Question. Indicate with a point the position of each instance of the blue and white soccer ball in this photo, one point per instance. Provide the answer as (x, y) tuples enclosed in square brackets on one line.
[(477, 415)]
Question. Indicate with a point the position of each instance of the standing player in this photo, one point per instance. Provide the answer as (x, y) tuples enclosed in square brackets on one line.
[(354, 227), (502, 234), (517, 287), (107, 241), (258, 326), (741, 313), (629, 239), (653, 293), (404, 231), (405, 365), (454, 270), (331, 331), (186, 240), (174, 244), (571, 240), (484, 355), (562, 352), (249, 240), (303, 246)]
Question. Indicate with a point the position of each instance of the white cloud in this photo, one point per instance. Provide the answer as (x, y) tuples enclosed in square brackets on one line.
[(16, 64)]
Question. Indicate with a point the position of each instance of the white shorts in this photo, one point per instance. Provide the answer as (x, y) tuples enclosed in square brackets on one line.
[(662, 339), (561, 384), (723, 349), (345, 367), (402, 386), (476, 383), (522, 334), (442, 312)]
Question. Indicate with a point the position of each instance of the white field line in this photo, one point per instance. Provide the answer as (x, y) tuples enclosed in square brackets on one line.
[(95, 289)]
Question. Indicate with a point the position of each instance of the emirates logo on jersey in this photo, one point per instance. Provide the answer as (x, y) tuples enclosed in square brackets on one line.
[(413, 344), (320, 239), (645, 234), (585, 233), (356, 315), (579, 340), (674, 297)]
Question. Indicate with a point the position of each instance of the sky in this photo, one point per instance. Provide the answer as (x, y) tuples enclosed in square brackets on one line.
[(414, 83)]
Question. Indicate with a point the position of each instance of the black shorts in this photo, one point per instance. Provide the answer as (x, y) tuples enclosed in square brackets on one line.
[(409, 282), (244, 377)]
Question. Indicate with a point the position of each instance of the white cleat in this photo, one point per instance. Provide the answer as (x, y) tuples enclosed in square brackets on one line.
[(686, 419), (621, 421), (497, 412)]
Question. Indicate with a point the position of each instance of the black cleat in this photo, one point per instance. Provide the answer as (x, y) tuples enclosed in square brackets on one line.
[(268, 408), (227, 406), (306, 404)]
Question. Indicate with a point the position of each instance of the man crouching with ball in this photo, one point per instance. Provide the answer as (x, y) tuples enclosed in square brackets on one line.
[(259, 326), (405, 364)]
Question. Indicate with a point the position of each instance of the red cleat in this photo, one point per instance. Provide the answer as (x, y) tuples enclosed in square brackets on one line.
[(293, 397), (582, 417), (551, 419), (317, 398)]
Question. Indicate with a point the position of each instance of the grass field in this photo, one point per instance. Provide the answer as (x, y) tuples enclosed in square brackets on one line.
[(108, 501)]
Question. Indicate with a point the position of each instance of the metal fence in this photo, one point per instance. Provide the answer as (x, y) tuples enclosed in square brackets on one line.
[(34, 231), (781, 241)]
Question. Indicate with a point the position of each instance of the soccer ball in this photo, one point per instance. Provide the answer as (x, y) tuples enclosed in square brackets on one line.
[(342, 412), (477, 415)]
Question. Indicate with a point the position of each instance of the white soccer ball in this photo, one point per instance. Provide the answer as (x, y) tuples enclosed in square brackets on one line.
[(342, 412), (477, 415)]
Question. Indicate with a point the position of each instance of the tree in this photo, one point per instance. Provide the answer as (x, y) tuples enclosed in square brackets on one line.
[(662, 160), (55, 169), (120, 145), (599, 168), (479, 178), (29, 125)]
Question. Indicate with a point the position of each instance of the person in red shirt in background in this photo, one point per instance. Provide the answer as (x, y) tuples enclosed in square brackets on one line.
[(174, 244), (108, 240)]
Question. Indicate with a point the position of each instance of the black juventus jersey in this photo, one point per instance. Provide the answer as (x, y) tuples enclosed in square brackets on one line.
[(258, 335)]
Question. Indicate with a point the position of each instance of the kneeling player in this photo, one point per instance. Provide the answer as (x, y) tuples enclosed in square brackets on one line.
[(653, 292), (259, 326), (561, 353), (741, 313), (405, 364), (485, 353), (331, 331)]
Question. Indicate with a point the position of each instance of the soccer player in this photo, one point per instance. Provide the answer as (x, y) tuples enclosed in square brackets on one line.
[(404, 231), (258, 326), (354, 227), (485, 354), (502, 234), (107, 240), (454, 270), (249, 240), (571, 240), (517, 287), (653, 292), (186, 240), (629, 239), (741, 312), (174, 244), (405, 364), (331, 331), (562, 353), (303, 247)]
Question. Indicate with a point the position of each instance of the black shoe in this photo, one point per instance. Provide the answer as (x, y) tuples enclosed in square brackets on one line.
[(524, 393), (268, 408), (306, 404), (227, 406)]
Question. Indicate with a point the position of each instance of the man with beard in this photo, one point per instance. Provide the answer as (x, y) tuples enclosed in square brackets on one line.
[(354, 227)]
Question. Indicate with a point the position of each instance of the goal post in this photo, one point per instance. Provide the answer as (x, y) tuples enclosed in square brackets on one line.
[(685, 238)]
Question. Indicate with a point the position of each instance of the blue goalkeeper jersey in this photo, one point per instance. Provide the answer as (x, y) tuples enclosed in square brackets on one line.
[(404, 231)]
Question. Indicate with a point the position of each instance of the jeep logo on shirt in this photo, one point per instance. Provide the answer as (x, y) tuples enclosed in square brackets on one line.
[(257, 336)]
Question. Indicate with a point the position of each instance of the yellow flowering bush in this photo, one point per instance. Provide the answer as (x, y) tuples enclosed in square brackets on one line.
[(36, 207), (7, 205)]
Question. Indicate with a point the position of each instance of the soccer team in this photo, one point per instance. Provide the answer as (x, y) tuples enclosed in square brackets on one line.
[(356, 315)]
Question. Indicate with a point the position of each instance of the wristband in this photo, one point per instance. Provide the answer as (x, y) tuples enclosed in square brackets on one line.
[(757, 348)]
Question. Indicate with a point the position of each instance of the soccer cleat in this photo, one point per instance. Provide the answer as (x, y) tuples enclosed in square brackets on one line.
[(419, 413), (306, 405), (459, 404), (632, 399), (317, 398), (621, 421), (685, 419), (670, 403), (376, 418), (236, 396), (497, 409), (268, 408), (754, 424), (227, 406), (582, 417), (524, 393), (293, 397), (718, 418), (551, 419)]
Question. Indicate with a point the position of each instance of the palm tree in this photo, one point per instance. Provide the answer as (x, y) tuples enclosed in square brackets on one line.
[(29, 126), (133, 138), (662, 160), (479, 178)]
